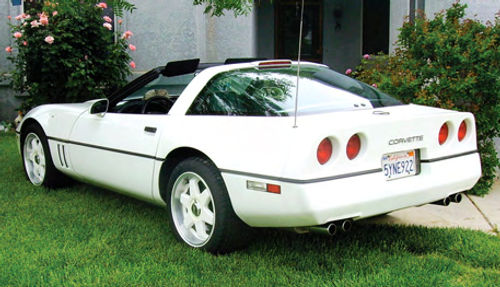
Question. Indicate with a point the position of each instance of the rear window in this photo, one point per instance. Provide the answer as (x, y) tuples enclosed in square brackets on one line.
[(271, 92)]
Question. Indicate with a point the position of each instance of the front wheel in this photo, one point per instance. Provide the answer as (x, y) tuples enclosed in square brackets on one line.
[(37, 161), (200, 211)]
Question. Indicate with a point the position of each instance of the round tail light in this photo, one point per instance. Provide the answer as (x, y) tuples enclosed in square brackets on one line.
[(462, 131), (324, 152), (443, 133), (353, 146)]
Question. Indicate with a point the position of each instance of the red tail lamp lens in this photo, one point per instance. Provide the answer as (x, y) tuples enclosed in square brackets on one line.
[(353, 147), (324, 152), (443, 133), (462, 131)]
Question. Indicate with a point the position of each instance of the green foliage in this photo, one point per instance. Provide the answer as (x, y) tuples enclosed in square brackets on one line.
[(84, 61), (217, 7), (452, 63)]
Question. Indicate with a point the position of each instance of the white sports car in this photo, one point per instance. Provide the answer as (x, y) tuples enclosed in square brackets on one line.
[(226, 147)]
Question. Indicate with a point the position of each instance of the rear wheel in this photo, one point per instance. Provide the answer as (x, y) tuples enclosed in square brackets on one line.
[(37, 161), (200, 211)]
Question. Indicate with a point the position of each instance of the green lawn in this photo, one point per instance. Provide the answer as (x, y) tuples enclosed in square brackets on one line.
[(88, 236)]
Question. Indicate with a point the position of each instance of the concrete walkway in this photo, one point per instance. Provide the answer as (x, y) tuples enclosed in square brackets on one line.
[(474, 212)]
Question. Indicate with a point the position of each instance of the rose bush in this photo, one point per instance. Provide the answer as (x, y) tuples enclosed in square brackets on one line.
[(448, 62), (67, 53)]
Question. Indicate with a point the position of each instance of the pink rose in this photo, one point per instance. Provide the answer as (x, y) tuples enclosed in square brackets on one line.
[(35, 24), (25, 16), (120, 21), (366, 56), (18, 35), (9, 17), (102, 5), (8, 49), (49, 40), (127, 34), (132, 47), (25, 43), (44, 20), (54, 13), (348, 71), (374, 85), (107, 26), (107, 19), (132, 64), (19, 17), (86, 57)]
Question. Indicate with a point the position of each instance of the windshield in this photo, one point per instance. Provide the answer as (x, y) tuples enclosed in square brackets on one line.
[(271, 92)]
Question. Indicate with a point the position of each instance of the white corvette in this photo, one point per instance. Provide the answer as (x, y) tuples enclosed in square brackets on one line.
[(225, 148)]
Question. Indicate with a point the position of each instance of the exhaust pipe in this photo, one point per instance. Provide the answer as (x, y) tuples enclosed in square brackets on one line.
[(457, 197), (346, 225), (444, 202), (328, 229)]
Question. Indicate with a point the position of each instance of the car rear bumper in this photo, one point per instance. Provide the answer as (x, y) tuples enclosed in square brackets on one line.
[(358, 196)]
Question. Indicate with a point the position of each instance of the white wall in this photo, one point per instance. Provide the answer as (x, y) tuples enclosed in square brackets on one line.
[(175, 29), (483, 10)]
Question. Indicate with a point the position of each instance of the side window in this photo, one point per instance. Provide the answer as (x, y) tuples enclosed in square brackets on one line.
[(169, 88)]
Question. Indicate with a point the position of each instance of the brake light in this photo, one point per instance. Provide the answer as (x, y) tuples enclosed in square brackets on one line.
[(275, 64), (324, 152), (353, 146), (462, 131), (443, 133)]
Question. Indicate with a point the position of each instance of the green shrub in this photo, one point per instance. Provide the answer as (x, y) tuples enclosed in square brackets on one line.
[(66, 52), (452, 63)]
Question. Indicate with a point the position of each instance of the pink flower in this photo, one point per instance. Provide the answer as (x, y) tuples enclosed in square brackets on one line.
[(54, 13), (18, 35), (19, 17), (107, 26), (8, 49), (132, 47), (366, 56), (102, 5), (107, 19), (86, 57), (49, 40), (25, 43), (120, 21), (348, 71), (127, 34), (44, 19), (374, 85), (35, 24), (9, 17), (132, 64), (25, 16)]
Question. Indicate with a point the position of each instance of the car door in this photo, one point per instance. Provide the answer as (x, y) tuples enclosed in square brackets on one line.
[(117, 151)]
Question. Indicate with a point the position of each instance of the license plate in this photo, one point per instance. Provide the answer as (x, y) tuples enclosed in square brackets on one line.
[(399, 164)]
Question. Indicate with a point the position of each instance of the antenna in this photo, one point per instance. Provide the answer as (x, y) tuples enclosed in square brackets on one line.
[(298, 64)]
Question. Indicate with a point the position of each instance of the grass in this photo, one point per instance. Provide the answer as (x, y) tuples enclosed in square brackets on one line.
[(88, 236)]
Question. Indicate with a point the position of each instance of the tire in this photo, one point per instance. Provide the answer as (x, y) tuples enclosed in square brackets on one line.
[(200, 212), (37, 160)]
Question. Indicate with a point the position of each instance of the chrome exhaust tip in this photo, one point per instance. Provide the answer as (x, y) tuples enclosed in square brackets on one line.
[(457, 197), (328, 229), (444, 202), (346, 225)]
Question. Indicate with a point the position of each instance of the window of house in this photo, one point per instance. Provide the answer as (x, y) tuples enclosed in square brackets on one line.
[(376, 26)]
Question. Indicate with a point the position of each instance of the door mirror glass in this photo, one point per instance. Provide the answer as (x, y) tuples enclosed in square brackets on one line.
[(100, 107)]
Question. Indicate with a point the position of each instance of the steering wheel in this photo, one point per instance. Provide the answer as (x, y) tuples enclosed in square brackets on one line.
[(157, 105)]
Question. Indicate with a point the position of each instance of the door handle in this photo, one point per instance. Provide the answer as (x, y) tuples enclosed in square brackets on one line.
[(150, 129)]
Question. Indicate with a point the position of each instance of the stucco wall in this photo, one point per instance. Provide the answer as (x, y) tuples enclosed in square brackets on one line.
[(342, 47), (483, 10), (173, 30), (399, 10), (8, 103)]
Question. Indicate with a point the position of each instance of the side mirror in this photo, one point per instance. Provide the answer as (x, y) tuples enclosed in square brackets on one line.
[(100, 107)]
